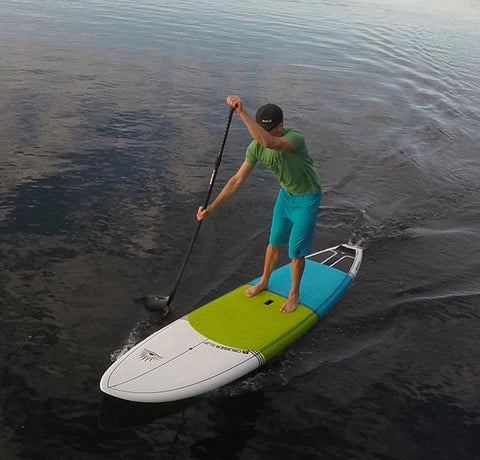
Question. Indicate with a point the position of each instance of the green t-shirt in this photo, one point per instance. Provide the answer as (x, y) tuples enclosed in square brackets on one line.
[(293, 169)]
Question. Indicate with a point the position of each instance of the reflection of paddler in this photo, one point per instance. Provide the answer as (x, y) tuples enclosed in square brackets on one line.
[(284, 152)]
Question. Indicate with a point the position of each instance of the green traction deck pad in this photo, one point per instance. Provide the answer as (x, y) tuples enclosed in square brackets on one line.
[(252, 323)]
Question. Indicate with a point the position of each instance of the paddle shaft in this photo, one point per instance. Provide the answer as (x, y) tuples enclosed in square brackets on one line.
[(207, 200)]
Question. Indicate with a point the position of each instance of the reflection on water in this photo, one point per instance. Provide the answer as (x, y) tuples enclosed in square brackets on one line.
[(111, 117)]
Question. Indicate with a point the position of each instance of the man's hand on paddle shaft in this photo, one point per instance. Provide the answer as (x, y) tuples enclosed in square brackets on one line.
[(230, 188), (235, 102), (202, 212)]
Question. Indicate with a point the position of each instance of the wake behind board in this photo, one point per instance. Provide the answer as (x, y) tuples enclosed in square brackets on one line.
[(232, 335)]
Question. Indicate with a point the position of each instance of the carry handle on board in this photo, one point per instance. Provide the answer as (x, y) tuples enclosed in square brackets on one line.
[(156, 302)]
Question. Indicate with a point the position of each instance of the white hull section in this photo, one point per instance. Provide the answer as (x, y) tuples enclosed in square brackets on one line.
[(176, 363)]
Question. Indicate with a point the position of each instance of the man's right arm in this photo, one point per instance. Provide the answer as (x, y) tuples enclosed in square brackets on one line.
[(264, 138)]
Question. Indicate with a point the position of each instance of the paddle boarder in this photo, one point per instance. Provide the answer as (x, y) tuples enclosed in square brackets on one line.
[(284, 152)]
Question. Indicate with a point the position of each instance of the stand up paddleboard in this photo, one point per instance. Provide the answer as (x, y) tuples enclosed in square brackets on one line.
[(230, 336)]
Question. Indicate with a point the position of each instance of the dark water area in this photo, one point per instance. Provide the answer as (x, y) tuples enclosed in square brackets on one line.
[(111, 117)]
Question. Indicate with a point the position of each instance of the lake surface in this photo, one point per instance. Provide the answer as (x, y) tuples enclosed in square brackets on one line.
[(111, 117)]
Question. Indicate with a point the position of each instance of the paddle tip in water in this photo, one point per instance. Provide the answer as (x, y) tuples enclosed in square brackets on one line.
[(156, 303)]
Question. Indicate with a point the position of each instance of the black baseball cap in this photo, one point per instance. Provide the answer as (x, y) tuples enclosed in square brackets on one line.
[(268, 116)]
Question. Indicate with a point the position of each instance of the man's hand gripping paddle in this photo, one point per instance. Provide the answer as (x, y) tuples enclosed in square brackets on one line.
[(158, 303)]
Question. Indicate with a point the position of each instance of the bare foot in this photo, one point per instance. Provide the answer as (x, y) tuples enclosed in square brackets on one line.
[(254, 290), (290, 305)]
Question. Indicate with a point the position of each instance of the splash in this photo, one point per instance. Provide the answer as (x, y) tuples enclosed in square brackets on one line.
[(143, 329), (131, 340), (364, 228)]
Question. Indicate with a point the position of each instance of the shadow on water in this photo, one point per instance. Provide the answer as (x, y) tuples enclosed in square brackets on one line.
[(117, 414), (223, 425)]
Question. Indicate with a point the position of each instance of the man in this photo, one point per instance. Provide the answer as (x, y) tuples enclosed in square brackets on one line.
[(284, 152)]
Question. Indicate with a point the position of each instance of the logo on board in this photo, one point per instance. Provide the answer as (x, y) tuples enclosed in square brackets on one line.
[(149, 355)]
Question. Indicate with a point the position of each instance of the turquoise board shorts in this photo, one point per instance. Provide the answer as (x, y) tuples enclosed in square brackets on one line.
[(293, 222)]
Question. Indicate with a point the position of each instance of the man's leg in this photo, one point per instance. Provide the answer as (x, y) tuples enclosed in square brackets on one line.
[(279, 234), (271, 257), (304, 216), (297, 266)]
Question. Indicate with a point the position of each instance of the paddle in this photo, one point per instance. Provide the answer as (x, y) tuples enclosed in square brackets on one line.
[(156, 302)]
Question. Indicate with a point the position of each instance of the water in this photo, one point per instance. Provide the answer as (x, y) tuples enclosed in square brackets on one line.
[(111, 117)]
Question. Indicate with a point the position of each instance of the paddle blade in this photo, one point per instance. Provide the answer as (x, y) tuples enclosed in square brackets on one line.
[(156, 303)]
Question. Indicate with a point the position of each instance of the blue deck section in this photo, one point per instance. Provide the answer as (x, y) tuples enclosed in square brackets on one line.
[(320, 288)]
